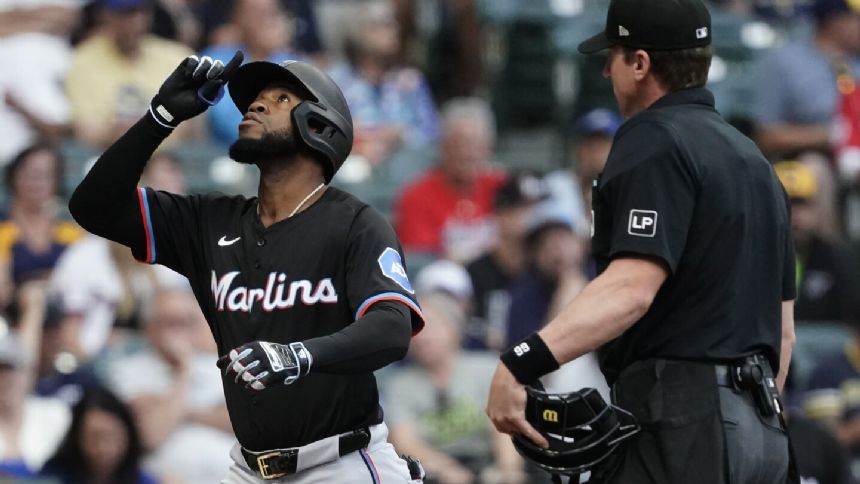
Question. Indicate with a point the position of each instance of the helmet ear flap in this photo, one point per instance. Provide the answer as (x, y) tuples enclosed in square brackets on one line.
[(322, 121), (318, 131)]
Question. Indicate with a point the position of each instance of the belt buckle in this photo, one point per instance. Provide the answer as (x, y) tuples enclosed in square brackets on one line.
[(263, 467)]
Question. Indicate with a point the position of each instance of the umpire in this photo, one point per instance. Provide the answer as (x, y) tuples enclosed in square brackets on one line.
[(693, 307)]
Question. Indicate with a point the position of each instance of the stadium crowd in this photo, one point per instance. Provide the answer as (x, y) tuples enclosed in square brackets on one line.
[(478, 132)]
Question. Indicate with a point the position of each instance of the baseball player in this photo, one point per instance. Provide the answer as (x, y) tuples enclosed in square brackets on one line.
[(693, 307), (303, 286)]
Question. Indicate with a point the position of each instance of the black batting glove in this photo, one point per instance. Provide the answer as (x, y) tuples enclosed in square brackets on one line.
[(261, 364), (193, 86)]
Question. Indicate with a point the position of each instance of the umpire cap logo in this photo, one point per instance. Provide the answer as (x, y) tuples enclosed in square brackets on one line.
[(550, 415), (392, 267)]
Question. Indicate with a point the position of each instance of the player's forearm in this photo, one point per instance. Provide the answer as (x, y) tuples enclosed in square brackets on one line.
[(106, 201), (604, 309), (375, 340), (600, 314)]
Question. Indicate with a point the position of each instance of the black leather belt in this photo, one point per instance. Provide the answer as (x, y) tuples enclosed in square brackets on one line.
[(724, 375), (753, 375), (283, 462), (734, 375)]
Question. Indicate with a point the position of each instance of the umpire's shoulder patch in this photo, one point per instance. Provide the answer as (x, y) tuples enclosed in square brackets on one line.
[(392, 267)]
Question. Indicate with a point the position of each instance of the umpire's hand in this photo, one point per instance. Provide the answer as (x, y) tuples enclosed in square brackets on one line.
[(193, 86), (506, 407), (261, 364)]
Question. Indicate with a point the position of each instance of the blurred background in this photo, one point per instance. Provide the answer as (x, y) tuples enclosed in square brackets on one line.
[(478, 131)]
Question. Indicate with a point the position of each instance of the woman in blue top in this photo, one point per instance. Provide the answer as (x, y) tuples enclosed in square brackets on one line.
[(264, 31)]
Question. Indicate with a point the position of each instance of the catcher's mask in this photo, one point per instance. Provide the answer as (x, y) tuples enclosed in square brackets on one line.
[(581, 428)]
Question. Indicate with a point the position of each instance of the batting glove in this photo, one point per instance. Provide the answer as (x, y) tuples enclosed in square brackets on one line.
[(260, 364), (193, 86)]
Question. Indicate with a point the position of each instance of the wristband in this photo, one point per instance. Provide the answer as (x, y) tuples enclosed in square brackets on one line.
[(161, 115), (529, 359), (303, 360)]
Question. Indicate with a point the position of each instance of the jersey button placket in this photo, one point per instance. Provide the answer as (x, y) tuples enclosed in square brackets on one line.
[(261, 242)]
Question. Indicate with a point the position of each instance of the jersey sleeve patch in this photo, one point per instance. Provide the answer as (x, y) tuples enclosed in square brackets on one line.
[(642, 223), (147, 225), (417, 325), (392, 267)]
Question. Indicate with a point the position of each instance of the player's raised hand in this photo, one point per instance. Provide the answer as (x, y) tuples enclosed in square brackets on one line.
[(195, 84), (213, 89), (261, 364)]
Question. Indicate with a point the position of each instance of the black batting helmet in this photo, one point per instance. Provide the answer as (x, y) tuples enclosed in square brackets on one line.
[(581, 428), (322, 120)]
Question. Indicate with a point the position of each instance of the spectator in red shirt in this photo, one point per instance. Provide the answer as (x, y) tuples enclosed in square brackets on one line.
[(447, 212)]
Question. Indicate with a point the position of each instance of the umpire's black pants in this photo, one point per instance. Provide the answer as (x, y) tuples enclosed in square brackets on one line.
[(695, 431)]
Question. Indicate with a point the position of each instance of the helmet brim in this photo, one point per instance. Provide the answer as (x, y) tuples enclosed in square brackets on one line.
[(253, 77)]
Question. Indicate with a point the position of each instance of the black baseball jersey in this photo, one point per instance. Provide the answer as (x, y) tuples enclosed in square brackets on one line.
[(684, 187), (306, 276)]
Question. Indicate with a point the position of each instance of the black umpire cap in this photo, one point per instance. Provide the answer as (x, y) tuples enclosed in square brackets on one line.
[(654, 25)]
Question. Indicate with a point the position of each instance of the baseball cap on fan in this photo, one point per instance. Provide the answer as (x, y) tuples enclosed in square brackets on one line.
[(799, 181), (521, 189), (653, 25), (601, 122)]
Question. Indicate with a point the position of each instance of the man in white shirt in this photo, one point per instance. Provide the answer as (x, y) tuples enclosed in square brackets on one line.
[(176, 397)]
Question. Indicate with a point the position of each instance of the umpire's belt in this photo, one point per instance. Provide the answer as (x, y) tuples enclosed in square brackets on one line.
[(724, 375), (753, 375), (277, 463), (732, 375)]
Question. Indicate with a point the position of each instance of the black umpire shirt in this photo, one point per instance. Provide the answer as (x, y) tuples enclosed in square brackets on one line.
[(685, 188)]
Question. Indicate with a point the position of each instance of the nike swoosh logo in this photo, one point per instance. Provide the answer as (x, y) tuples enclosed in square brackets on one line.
[(223, 242)]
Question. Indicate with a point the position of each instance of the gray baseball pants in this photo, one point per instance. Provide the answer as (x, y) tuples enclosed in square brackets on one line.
[(377, 463)]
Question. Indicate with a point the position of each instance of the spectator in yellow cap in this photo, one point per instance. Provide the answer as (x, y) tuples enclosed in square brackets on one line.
[(824, 278), (799, 180)]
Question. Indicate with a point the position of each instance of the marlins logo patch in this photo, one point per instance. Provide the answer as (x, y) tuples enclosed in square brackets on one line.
[(392, 267)]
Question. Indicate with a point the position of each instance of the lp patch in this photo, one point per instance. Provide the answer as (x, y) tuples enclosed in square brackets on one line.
[(392, 267), (642, 223)]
